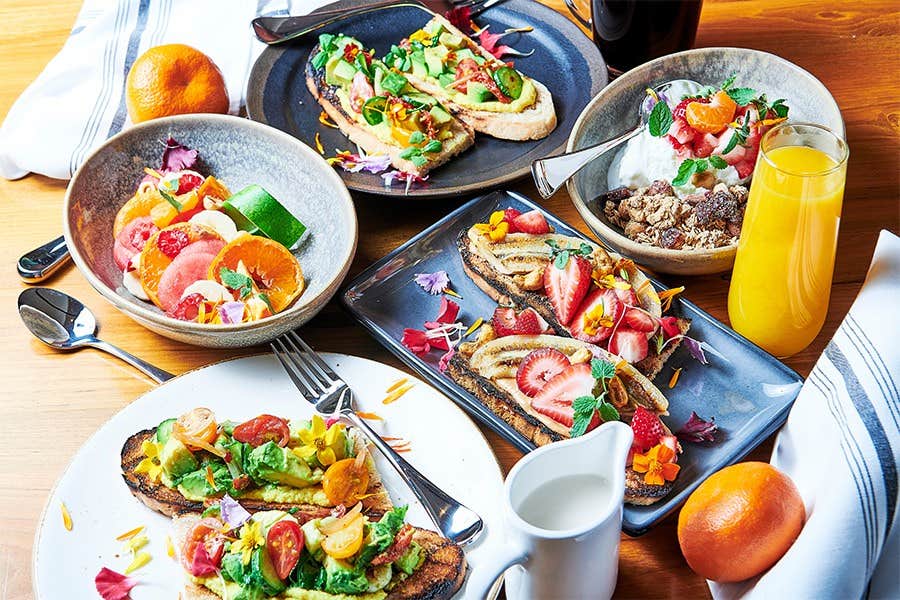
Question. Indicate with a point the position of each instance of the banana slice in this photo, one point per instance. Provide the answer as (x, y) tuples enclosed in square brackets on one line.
[(217, 220), (132, 281), (212, 291)]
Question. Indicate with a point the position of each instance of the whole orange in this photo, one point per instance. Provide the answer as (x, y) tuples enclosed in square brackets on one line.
[(174, 79), (740, 521)]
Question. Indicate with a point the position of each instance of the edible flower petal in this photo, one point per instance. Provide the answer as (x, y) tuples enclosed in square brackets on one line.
[(321, 440), (609, 281), (177, 157), (496, 228), (150, 465), (66, 517), (657, 465), (433, 283), (232, 312), (698, 430), (696, 350), (488, 41), (232, 513), (447, 313), (394, 176), (444, 362), (416, 341), (596, 318), (140, 559), (666, 296), (670, 327), (113, 586), (354, 163), (460, 17), (251, 538)]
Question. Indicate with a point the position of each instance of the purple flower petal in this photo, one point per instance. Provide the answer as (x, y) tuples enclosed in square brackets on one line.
[(433, 283), (232, 312), (232, 512), (177, 157), (696, 350), (698, 430)]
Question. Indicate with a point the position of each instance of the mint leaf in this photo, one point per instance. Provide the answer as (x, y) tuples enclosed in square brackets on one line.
[(410, 151), (601, 369), (580, 424), (660, 119), (170, 199), (416, 137), (718, 162), (701, 164), (561, 259), (265, 298), (732, 143), (608, 412), (687, 168), (584, 404), (236, 281), (585, 249), (552, 244), (780, 108), (742, 96), (729, 82)]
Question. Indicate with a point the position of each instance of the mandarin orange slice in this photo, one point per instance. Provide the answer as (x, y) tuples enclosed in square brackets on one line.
[(163, 246), (139, 205), (273, 268), (712, 117), (164, 212), (213, 187)]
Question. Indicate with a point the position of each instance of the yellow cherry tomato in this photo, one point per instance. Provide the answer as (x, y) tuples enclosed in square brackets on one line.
[(347, 541), (345, 481)]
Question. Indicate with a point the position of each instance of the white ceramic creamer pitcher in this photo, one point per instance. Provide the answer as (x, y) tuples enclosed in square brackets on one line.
[(562, 506)]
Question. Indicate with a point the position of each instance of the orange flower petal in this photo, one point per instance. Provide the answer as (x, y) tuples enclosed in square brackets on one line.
[(670, 471)]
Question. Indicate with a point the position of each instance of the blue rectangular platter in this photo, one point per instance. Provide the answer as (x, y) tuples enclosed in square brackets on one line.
[(748, 391)]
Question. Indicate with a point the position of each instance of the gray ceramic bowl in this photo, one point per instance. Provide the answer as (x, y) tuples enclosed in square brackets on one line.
[(615, 110), (240, 152)]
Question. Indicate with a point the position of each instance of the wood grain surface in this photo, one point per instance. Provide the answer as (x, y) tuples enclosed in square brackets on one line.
[(51, 403)]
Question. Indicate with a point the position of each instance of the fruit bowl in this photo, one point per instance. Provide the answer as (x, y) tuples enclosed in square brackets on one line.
[(239, 152), (615, 110)]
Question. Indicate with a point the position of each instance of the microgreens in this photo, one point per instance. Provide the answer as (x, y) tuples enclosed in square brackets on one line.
[(415, 153), (237, 281), (739, 136), (170, 199), (560, 256), (584, 406), (265, 298)]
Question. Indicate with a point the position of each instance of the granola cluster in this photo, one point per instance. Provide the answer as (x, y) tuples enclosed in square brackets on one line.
[(655, 215)]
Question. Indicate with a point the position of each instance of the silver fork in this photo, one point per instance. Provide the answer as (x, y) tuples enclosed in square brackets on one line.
[(322, 387)]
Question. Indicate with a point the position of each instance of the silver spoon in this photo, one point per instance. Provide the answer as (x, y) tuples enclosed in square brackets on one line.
[(42, 262), (553, 172), (64, 323)]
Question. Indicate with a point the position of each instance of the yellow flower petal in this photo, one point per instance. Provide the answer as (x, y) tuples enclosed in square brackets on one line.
[(305, 452), (318, 426), (67, 518), (326, 457), (141, 559), (496, 218)]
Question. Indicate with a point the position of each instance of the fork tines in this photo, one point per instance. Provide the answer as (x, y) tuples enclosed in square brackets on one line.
[(312, 376)]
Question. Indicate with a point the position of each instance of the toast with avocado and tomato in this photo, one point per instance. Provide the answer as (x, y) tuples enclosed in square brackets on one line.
[(489, 95), (578, 288), (266, 463), (551, 388), (378, 110), (277, 555)]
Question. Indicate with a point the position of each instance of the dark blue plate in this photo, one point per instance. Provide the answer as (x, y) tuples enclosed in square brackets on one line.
[(747, 390), (564, 60)]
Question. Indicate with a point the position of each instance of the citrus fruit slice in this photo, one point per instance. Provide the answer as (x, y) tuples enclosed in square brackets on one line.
[(712, 117), (255, 210), (274, 270), (164, 212), (139, 205), (214, 188), (185, 269), (162, 248)]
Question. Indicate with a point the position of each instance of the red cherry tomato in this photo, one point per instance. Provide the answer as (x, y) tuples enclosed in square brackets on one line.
[(285, 544), (207, 532), (262, 429)]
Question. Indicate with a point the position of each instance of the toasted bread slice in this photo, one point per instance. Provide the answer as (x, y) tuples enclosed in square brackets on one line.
[(511, 273), (533, 122), (354, 126), (438, 578), (170, 501)]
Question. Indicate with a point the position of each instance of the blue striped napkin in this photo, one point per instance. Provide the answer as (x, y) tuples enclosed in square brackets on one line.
[(841, 446), (77, 102)]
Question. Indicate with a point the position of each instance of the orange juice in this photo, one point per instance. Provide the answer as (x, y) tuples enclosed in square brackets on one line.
[(782, 274)]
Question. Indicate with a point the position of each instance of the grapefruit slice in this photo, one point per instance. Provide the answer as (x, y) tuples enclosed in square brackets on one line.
[(131, 240), (155, 260)]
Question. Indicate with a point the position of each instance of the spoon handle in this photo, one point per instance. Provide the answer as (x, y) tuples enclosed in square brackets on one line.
[(154, 373), (42, 262), (552, 172)]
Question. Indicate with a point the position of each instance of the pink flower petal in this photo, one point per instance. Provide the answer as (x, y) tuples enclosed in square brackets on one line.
[(448, 311), (113, 586), (416, 341), (445, 360)]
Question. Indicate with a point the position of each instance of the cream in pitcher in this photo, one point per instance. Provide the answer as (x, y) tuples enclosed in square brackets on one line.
[(562, 530)]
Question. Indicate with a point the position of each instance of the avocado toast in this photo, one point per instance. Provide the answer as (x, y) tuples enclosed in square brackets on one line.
[(379, 110), (266, 463), (280, 555), (489, 95)]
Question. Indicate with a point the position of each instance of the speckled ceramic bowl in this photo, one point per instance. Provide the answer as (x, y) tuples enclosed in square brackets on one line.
[(615, 110), (240, 152)]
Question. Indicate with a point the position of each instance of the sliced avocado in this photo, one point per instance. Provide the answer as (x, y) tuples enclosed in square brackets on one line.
[(379, 577), (342, 578), (262, 572), (434, 60), (411, 560), (250, 592), (445, 79), (270, 463), (194, 486), (233, 567), (164, 431), (176, 459), (478, 92), (450, 40), (465, 53), (433, 28), (313, 538), (419, 68), (439, 115), (341, 73)]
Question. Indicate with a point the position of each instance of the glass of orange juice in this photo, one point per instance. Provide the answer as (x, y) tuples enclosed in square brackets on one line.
[(781, 281)]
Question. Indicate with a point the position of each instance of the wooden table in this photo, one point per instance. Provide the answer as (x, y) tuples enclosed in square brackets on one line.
[(51, 403)]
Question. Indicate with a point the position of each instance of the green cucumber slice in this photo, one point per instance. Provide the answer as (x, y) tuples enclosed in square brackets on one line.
[(509, 81), (255, 210), (373, 110)]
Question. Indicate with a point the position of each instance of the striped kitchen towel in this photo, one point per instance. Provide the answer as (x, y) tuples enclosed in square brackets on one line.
[(78, 100), (841, 446)]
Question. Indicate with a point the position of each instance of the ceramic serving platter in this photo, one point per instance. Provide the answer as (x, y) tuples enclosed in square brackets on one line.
[(748, 391), (454, 455), (564, 60)]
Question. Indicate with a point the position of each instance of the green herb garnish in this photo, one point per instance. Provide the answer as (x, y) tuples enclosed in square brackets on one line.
[(660, 119), (584, 406), (560, 256), (170, 199), (236, 281)]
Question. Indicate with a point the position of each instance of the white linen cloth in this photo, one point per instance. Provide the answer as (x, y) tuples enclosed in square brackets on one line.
[(841, 446), (78, 100)]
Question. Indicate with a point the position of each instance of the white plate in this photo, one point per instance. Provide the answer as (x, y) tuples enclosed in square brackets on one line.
[(446, 446)]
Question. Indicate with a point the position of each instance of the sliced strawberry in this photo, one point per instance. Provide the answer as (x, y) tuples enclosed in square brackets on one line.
[(568, 286), (510, 215), (627, 297), (638, 319), (629, 344), (539, 367), (593, 324), (670, 327), (556, 397), (532, 222), (647, 429), (704, 144), (529, 322), (672, 442), (504, 321)]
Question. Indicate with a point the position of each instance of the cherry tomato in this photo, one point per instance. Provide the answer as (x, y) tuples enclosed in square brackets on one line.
[(347, 541), (198, 424), (262, 429), (207, 532), (285, 544), (345, 481)]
